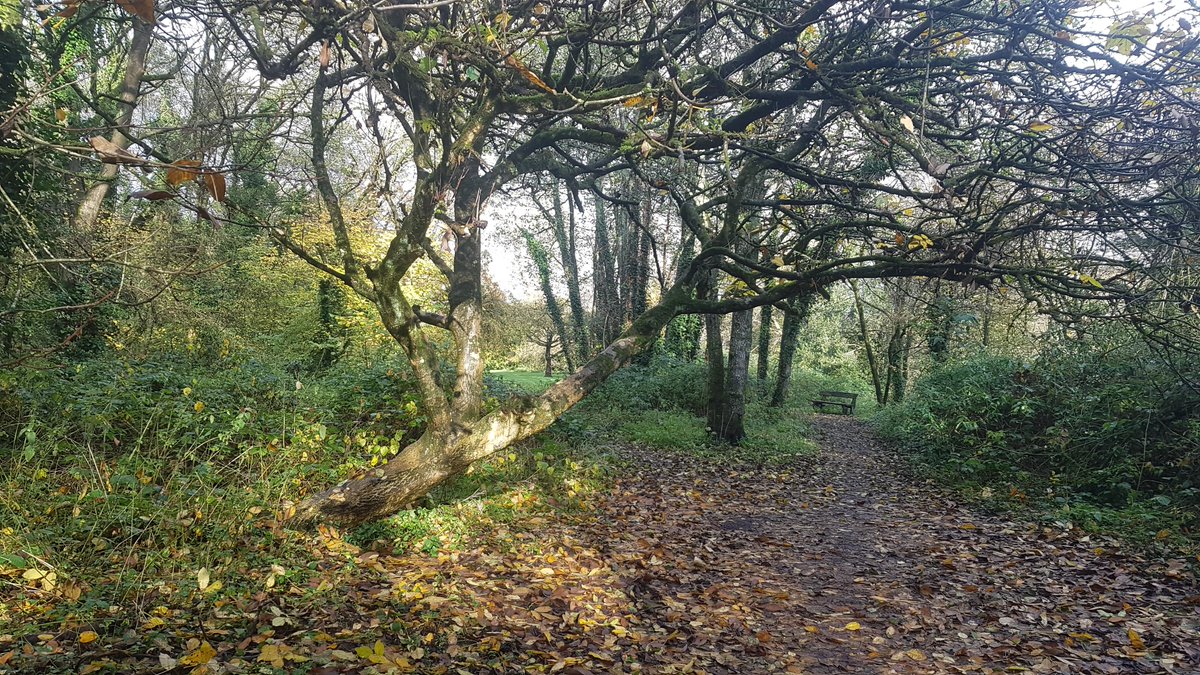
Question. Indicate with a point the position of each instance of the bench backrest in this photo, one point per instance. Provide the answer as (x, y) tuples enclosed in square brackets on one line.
[(839, 394)]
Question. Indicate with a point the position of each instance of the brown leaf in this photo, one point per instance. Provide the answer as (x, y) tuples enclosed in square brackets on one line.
[(182, 171), (215, 183), (142, 9), (111, 153), (152, 195), (325, 56), (70, 7)]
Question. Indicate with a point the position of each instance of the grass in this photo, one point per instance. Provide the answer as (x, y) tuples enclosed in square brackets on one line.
[(101, 529), (773, 435), (528, 381)]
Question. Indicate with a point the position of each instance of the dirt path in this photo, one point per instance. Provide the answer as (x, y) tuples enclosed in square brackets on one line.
[(852, 566)]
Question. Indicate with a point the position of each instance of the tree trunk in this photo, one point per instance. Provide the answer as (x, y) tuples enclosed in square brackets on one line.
[(564, 234), (548, 344), (792, 320), (542, 262), (135, 68), (764, 342), (737, 377), (714, 355), (876, 380), (444, 452), (606, 301)]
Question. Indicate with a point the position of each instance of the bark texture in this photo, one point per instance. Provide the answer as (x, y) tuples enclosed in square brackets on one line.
[(127, 97), (764, 342), (441, 454)]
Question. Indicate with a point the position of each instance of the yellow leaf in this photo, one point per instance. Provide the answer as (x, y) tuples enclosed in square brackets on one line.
[(811, 629), (153, 623), (634, 102), (87, 636), (202, 575), (199, 407), (202, 655), (907, 123), (270, 654), (916, 654), (1162, 534), (854, 625), (1135, 640), (213, 587), (777, 261), (528, 74), (1039, 127)]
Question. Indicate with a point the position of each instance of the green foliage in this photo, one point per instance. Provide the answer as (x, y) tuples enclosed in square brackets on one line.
[(502, 383), (666, 383), (1111, 436), (662, 405), (674, 429), (120, 472)]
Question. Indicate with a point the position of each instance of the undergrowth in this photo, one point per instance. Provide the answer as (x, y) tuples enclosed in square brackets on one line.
[(133, 488), (662, 405), (1105, 439)]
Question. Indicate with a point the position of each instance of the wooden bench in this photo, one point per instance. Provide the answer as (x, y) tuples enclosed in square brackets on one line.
[(843, 400)]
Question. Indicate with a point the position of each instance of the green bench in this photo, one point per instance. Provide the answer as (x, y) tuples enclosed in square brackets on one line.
[(841, 400)]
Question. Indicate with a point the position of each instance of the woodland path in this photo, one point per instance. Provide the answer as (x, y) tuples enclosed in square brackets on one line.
[(842, 563), (853, 566)]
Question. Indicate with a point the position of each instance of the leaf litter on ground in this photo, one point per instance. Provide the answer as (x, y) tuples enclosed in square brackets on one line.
[(842, 564)]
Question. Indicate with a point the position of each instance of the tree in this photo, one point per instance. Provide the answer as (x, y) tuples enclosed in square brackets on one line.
[(973, 143)]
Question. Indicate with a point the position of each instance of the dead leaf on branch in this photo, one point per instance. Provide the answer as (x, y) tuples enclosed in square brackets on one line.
[(142, 9), (182, 171), (528, 74), (215, 183), (111, 153)]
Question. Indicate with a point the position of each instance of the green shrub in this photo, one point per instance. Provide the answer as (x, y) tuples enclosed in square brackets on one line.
[(673, 429), (667, 383), (1109, 428)]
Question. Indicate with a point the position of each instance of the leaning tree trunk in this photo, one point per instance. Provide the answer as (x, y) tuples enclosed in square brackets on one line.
[(443, 452), (135, 68), (872, 364)]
